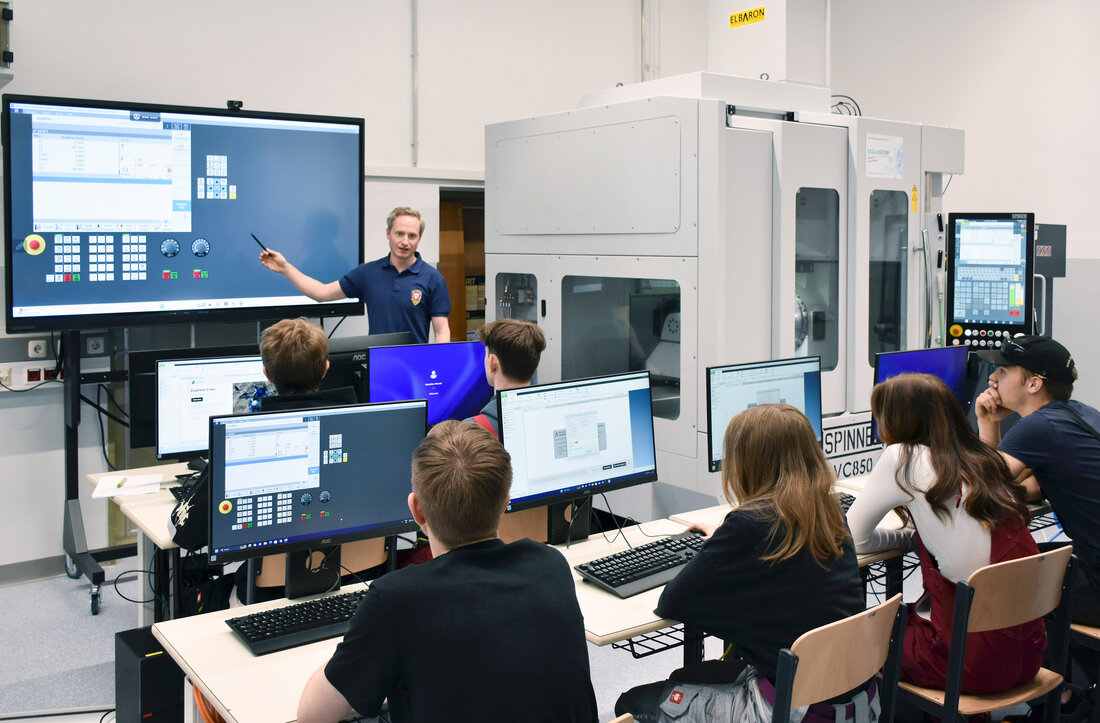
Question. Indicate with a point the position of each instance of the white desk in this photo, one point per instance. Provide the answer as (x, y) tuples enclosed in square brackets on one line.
[(242, 687), (150, 514), (608, 618)]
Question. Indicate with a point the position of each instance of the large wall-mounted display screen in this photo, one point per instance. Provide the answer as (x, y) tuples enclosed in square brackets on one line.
[(135, 214)]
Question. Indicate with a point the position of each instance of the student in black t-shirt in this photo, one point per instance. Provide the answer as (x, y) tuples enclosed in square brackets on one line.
[(780, 564), (485, 631)]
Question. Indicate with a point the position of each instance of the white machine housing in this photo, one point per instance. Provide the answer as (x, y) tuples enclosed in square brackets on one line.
[(771, 228)]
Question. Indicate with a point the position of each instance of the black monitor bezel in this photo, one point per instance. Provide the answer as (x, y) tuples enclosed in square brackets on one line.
[(350, 353), (142, 363), (351, 307), (391, 528), (186, 454), (713, 466), (1027, 322), (587, 492)]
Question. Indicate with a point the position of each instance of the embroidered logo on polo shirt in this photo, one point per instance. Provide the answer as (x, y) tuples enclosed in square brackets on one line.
[(417, 294), (676, 697)]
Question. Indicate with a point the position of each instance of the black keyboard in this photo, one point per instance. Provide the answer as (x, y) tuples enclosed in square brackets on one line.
[(644, 567), (846, 501), (293, 625)]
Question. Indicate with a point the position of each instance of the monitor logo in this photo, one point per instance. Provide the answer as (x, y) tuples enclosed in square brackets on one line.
[(326, 541)]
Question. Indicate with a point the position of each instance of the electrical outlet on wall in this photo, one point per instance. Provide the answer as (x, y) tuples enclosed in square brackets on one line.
[(95, 345), (36, 348)]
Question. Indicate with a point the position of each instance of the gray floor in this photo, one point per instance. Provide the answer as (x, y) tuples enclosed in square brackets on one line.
[(57, 655)]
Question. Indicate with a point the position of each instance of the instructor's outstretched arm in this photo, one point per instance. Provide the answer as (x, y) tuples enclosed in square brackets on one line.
[(308, 285)]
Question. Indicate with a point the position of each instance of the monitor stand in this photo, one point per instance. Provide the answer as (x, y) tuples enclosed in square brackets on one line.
[(311, 572), (570, 520)]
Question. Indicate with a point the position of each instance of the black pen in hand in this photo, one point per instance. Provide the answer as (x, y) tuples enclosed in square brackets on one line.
[(261, 243)]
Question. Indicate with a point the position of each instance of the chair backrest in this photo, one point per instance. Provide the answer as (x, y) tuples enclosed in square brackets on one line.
[(999, 601), (839, 656)]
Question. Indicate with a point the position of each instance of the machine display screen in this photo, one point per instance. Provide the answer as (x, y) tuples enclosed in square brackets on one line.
[(990, 268)]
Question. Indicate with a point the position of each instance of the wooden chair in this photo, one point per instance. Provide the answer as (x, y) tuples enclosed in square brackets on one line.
[(1000, 596), (835, 658)]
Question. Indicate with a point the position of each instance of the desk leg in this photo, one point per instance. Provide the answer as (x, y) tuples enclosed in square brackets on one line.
[(146, 551), (894, 577), (191, 712), (693, 645)]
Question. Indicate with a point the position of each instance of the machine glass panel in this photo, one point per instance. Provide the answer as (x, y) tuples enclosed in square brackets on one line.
[(889, 232), (612, 325), (817, 275)]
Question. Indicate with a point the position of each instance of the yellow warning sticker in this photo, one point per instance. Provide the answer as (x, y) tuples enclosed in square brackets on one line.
[(747, 17), (916, 201)]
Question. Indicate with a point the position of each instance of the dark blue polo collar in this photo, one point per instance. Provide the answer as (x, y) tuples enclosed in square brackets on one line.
[(414, 269)]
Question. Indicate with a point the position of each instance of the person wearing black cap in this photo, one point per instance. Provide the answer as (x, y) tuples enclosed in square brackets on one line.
[(1054, 449)]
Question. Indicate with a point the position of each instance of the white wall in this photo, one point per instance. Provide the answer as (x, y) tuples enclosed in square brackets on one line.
[(480, 61), (1019, 78)]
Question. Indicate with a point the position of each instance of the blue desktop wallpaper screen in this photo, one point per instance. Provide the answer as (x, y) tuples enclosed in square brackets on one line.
[(450, 376)]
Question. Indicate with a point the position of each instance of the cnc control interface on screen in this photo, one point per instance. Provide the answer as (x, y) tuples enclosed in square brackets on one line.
[(292, 476), (990, 270), (191, 391), (575, 435), (733, 389), (117, 210)]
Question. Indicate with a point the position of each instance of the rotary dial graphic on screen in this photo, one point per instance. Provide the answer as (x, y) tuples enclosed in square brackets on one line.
[(200, 247), (169, 247)]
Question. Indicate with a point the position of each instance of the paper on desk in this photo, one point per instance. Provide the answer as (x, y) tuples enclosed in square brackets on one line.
[(114, 485)]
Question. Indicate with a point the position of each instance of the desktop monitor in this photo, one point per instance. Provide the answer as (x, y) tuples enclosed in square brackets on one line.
[(120, 214), (347, 358), (191, 391), (301, 480), (733, 388), (948, 363), (989, 289), (450, 376), (141, 388), (578, 438)]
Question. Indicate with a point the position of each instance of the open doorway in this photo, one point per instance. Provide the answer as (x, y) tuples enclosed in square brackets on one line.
[(462, 258)]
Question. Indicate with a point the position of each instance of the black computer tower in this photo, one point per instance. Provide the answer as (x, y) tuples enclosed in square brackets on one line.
[(148, 683)]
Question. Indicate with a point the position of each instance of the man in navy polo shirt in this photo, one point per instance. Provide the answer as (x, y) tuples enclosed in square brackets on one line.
[(402, 292)]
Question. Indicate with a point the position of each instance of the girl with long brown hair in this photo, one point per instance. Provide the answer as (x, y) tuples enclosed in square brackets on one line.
[(781, 562), (967, 511)]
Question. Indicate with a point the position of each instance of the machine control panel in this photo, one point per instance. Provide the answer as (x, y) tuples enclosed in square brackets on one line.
[(977, 337)]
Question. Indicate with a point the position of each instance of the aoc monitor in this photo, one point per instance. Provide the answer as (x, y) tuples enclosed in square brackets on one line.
[(989, 288), (347, 358), (450, 376), (123, 214), (293, 481), (191, 391), (733, 388), (578, 438)]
